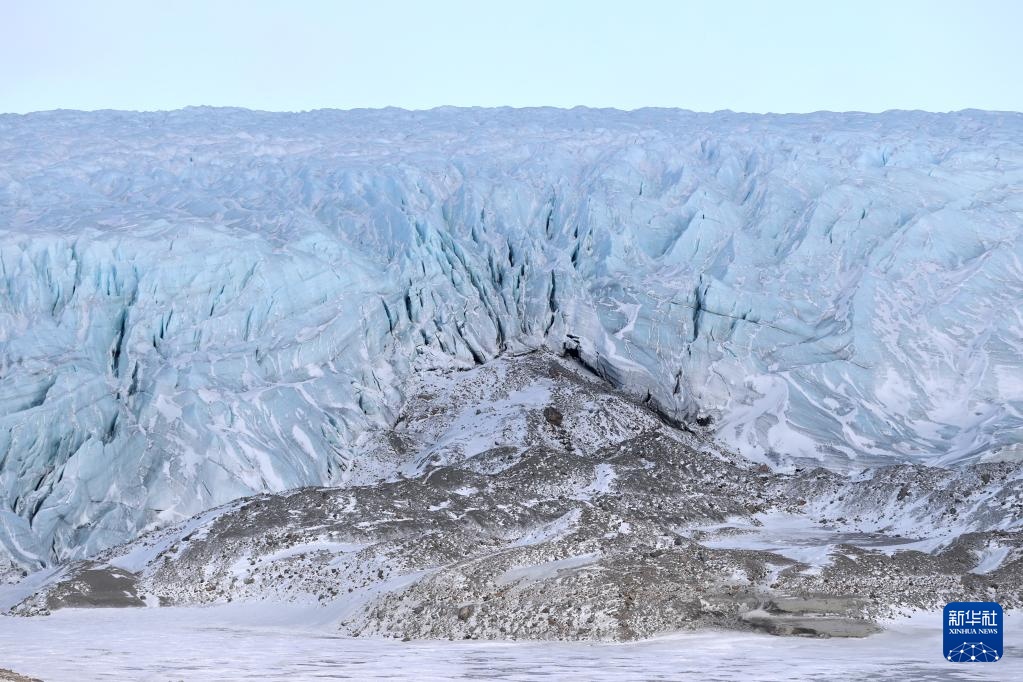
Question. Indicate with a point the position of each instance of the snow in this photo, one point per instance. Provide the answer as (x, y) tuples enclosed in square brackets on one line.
[(991, 558), (795, 537), (13, 593), (549, 531), (205, 304), (303, 441), (246, 642), (138, 556), (547, 569), (603, 478), (474, 431), (311, 547)]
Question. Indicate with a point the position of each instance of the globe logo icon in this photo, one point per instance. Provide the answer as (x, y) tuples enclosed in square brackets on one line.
[(971, 652)]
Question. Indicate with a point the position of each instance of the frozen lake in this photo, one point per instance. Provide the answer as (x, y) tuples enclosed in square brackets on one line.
[(252, 643)]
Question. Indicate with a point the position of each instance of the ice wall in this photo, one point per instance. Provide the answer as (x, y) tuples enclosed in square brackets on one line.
[(201, 304)]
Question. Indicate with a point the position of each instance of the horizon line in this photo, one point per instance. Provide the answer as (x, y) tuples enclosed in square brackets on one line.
[(447, 107)]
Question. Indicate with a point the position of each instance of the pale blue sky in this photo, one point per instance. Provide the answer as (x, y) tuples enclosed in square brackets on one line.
[(784, 56)]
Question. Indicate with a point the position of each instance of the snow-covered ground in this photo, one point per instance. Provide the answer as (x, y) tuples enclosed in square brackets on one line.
[(281, 643), (797, 537)]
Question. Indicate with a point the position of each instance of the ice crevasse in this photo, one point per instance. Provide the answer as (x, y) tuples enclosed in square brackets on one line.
[(203, 304)]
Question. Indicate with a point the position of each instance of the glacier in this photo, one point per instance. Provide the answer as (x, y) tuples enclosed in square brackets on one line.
[(203, 304)]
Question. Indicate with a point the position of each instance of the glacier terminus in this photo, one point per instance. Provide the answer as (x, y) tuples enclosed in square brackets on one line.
[(206, 304)]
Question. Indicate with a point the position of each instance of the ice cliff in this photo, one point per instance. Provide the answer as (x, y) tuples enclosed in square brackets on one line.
[(202, 304)]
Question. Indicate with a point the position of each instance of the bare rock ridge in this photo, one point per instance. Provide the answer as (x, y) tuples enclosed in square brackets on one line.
[(9, 676), (537, 502)]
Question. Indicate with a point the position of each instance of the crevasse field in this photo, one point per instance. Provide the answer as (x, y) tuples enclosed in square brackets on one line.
[(203, 304)]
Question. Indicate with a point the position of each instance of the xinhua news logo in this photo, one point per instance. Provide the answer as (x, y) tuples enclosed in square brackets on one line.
[(973, 632)]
